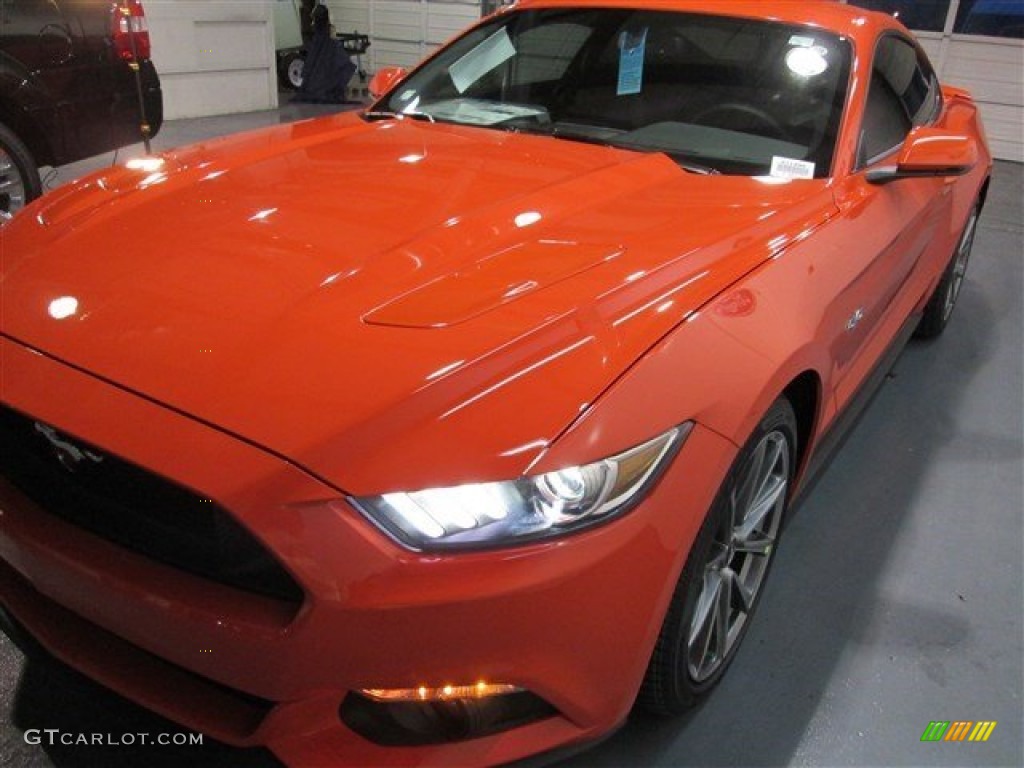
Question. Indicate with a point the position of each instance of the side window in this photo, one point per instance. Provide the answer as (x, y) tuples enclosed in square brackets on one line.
[(904, 93), (35, 33)]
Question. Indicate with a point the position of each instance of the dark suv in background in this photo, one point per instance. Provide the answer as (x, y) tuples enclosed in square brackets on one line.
[(68, 88)]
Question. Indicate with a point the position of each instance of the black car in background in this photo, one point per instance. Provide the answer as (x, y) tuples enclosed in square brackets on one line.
[(68, 86)]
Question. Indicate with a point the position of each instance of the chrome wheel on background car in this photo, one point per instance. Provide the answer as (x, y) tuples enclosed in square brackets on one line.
[(19, 179), (290, 67), (940, 306), (723, 577), (295, 69), (12, 186)]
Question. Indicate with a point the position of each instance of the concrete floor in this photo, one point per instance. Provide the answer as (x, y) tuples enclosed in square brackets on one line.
[(896, 599)]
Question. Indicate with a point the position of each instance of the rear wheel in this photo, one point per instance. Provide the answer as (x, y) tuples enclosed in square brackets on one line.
[(940, 306), (19, 178), (721, 583)]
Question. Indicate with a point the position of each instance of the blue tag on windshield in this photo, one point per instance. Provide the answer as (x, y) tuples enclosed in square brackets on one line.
[(631, 62)]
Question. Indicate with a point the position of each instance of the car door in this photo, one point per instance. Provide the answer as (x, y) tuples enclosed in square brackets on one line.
[(37, 35), (891, 227), (63, 47), (96, 78), (39, 41)]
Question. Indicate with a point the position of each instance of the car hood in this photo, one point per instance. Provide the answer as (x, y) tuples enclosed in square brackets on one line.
[(390, 304)]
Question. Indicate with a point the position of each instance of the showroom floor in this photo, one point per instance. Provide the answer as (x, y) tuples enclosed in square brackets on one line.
[(897, 599)]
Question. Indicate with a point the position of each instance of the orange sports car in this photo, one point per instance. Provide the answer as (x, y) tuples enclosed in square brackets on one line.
[(445, 432)]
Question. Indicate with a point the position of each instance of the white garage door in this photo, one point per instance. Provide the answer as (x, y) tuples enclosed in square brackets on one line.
[(214, 57), (403, 32)]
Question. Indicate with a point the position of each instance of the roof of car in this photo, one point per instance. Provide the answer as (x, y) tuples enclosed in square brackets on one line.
[(830, 14)]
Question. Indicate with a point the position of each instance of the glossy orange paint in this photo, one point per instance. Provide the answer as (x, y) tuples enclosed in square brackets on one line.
[(285, 318)]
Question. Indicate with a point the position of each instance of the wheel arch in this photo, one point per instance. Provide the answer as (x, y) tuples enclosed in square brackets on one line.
[(983, 192), (703, 373), (804, 394)]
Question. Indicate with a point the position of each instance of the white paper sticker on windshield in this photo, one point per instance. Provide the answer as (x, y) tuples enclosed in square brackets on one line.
[(479, 112), (788, 168), (491, 53), (801, 42)]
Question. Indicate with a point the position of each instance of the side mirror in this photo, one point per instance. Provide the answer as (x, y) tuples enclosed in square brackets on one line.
[(929, 153), (385, 79)]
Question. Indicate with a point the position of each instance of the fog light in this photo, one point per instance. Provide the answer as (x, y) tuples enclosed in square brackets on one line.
[(480, 690), (436, 715)]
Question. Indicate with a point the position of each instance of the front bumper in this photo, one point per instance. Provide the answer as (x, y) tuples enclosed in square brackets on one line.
[(571, 620)]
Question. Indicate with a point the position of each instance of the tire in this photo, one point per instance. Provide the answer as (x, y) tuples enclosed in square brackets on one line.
[(722, 581), (940, 306), (290, 73), (19, 177)]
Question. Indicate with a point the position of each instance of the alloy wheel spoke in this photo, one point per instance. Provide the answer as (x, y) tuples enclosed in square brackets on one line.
[(772, 456), (723, 610), (740, 595), (961, 269), (702, 628), (772, 490), (963, 255), (734, 509), (968, 239), (746, 492)]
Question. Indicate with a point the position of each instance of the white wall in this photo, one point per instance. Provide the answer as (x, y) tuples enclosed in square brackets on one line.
[(214, 57), (992, 69), (403, 32)]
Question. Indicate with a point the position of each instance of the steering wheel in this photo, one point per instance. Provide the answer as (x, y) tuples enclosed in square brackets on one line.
[(746, 115)]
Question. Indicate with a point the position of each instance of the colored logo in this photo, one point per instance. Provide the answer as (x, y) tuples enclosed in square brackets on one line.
[(958, 730)]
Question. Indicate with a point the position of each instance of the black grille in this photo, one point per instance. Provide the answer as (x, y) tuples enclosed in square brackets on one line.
[(136, 509)]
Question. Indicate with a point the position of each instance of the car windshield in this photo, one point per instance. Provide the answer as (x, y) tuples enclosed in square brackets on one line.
[(717, 94)]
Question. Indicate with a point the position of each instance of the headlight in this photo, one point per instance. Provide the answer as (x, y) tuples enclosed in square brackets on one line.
[(495, 514)]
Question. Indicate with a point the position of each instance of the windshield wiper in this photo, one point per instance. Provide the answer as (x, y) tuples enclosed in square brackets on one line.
[(554, 130), (623, 142), (373, 115), (681, 159), (422, 116), (385, 114), (703, 170), (601, 138)]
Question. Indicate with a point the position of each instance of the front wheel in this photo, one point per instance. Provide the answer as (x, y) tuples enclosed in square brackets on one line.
[(723, 577), (19, 178)]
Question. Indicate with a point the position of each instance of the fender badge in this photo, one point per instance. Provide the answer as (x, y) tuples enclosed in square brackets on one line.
[(68, 454)]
